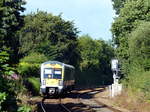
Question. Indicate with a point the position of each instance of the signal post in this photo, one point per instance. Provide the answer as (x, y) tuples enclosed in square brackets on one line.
[(116, 88)]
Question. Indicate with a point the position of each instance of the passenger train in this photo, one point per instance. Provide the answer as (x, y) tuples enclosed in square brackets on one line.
[(56, 78)]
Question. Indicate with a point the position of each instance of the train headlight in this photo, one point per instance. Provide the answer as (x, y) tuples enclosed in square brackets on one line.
[(60, 83), (44, 82)]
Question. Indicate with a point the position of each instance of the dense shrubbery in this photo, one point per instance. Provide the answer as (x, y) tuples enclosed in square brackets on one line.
[(131, 34), (29, 65), (139, 83), (29, 68), (139, 52), (139, 47), (94, 67), (8, 85), (33, 84), (2, 98), (24, 108), (50, 35)]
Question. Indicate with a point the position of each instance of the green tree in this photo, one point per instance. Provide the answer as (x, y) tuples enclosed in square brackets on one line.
[(89, 50), (130, 17), (139, 47), (138, 79), (117, 5), (95, 61), (29, 65), (11, 21), (49, 35), (7, 86)]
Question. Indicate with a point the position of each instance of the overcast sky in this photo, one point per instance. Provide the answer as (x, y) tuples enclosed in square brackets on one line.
[(93, 17)]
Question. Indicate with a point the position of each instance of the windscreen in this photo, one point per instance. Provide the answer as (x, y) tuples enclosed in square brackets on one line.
[(52, 73)]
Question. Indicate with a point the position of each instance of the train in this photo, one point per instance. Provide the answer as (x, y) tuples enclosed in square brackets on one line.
[(56, 78)]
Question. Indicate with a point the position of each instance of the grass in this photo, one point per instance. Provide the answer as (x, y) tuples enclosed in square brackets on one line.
[(132, 102), (136, 96)]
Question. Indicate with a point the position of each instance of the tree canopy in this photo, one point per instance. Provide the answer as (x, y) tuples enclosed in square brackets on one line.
[(117, 5), (130, 17), (49, 35), (11, 21), (139, 47), (95, 60)]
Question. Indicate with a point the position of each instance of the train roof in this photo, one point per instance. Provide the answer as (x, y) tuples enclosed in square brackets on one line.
[(57, 62)]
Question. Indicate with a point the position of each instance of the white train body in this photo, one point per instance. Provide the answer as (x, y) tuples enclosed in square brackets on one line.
[(56, 77)]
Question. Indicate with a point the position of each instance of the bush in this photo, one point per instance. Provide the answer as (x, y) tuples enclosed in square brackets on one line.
[(30, 65), (29, 69), (34, 58), (33, 84), (24, 108), (139, 82), (139, 47), (2, 99), (8, 85)]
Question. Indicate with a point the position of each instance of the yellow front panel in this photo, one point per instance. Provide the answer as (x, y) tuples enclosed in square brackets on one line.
[(53, 66), (52, 82)]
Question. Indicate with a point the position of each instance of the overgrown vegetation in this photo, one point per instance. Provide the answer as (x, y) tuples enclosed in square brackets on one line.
[(33, 84), (29, 65), (26, 41), (94, 66), (49, 35), (131, 34)]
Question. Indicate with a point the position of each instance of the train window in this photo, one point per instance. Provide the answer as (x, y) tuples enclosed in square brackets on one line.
[(48, 73), (57, 74), (53, 73)]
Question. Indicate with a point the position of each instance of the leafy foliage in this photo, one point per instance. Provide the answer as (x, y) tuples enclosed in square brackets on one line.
[(49, 35), (2, 99), (8, 87), (10, 22), (29, 65), (24, 108), (33, 85), (139, 47), (131, 35), (129, 18), (94, 62), (131, 15), (89, 50), (139, 82), (34, 58), (117, 5)]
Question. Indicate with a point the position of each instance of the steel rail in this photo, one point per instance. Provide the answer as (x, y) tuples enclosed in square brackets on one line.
[(59, 103), (63, 106), (79, 100), (107, 106), (98, 102), (42, 105)]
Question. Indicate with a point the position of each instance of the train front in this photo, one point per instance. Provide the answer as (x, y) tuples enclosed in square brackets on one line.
[(51, 78)]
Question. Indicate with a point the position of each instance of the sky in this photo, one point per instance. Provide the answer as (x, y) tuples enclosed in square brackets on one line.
[(92, 17)]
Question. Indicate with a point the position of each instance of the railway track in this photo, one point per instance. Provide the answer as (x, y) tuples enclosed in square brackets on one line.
[(95, 104), (64, 105), (42, 105), (61, 107), (76, 102)]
